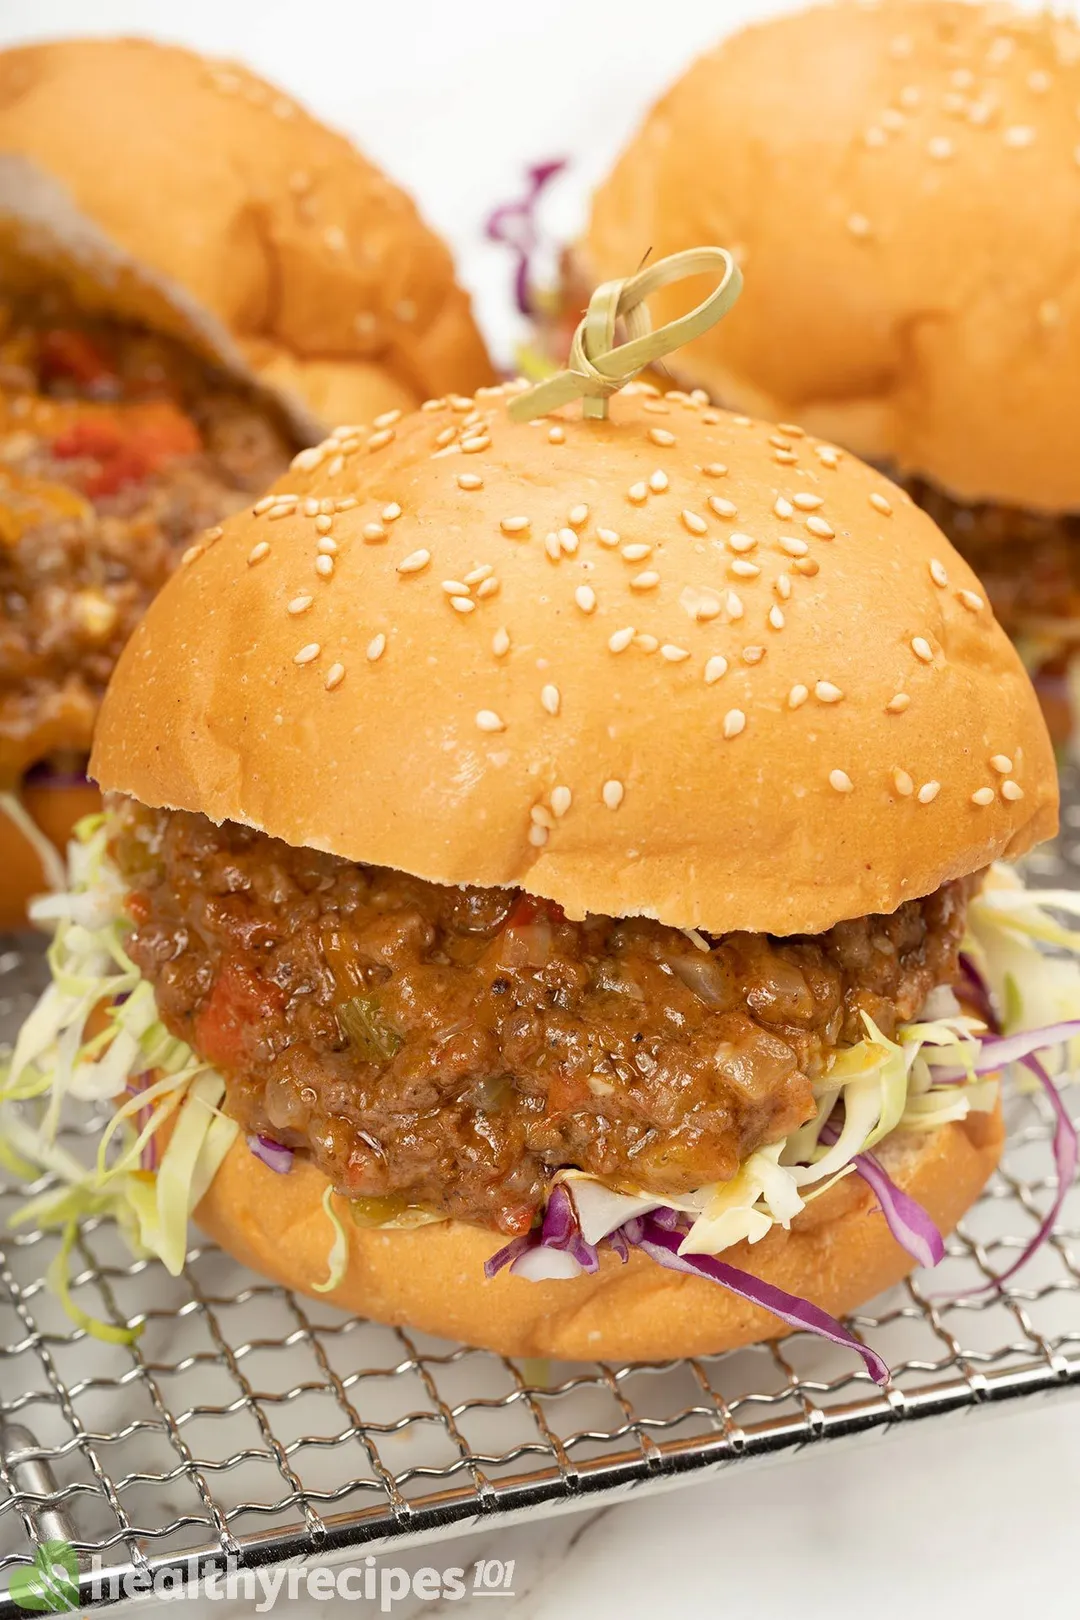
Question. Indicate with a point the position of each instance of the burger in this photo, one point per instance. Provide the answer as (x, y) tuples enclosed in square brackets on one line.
[(196, 280), (546, 893), (900, 182)]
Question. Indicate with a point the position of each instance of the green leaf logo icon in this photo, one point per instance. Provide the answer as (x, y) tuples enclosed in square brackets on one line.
[(50, 1585)]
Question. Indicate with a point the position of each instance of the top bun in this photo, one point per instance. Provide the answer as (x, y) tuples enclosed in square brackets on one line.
[(418, 658), (902, 183), (191, 196)]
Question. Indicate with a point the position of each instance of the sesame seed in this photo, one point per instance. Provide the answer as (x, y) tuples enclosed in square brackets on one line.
[(473, 445), (608, 537), (561, 800), (647, 643), (300, 604), (922, 649), (1001, 763), (307, 460), (874, 136), (928, 792), (192, 554), (782, 508), (779, 442), (487, 587), (550, 699), (820, 526), (323, 524), (782, 586), (880, 504), (258, 552), (657, 407), (433, 405), (488, 720), (971, 600), (308, 654), (753, 655), (827, 456), (674, 655), (733, 603), (661, 436), (262, 506), (387, 419), (470, 481), (910, 96), (585, 597), (636, 551), (500, 642), (310, 506), (734, 723), (714, 469), (455, 587), (1011, 790), (568, 541), (1018, 136), (658, 481), (621, 639), (742, 568), (556, 435), (797, 696), (712, 417), (841, 781), (715, 668), (646, 581), (541, 816), (897, 704), (324, 565), (983, 795), (638, 492), (694, 523), (807, 565), (723, 508), (379, 440), (463, 604), (826, 692), (336, 466), (578, 516), (859, 226), (477, 575), (741, 543), (552, 546), (373, 533), (807, 502), (334, 676), (903, 783), (793, 546), (414, 562), (613, 794), (538, 836), (345, 503), (445, 436), (786, 457), (514, 525), (938, 574), (391, 513), (706, 607), (460, 402), (940, 148)]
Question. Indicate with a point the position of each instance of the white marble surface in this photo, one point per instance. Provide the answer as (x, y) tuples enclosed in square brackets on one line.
[(975, 1515)]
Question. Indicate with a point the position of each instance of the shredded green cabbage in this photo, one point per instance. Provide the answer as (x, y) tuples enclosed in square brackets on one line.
[(884, 1084)]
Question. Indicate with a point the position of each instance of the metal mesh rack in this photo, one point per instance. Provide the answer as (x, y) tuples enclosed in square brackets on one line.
[(247, 1425)]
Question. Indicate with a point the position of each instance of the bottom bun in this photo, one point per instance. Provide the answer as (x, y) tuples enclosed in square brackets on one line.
[(839, 1253), (56, 809)]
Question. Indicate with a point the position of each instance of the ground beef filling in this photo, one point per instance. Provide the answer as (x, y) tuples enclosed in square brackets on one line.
[(1029, 562), (447, 1049), (116, 449)]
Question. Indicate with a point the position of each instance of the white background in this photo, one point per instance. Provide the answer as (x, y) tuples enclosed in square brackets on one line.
[(454, 97)]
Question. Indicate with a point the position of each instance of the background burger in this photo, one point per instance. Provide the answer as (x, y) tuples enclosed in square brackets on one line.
[(537, 862), (902, 182), (196, 279)]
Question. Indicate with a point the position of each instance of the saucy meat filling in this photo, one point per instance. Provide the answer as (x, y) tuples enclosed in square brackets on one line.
[(116, 448), (447, 1049)]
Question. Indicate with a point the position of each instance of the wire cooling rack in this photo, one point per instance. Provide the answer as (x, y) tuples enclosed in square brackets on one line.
[(247, 1426)]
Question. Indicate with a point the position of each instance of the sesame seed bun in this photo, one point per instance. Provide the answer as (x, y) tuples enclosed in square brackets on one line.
[(901, 182), (488, 664), (838, 1253), (191, 196)]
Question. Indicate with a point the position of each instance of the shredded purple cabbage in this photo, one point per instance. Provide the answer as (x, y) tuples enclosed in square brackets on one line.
[(975, 990), (46, 775), (273, 1154), (996, 1051), (513, 225), (906, 1219)]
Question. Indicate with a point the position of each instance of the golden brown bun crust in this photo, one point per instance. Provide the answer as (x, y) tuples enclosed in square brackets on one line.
[(217, 184), (912, 281), (56, 810), (839, 1254), (715, 830)]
